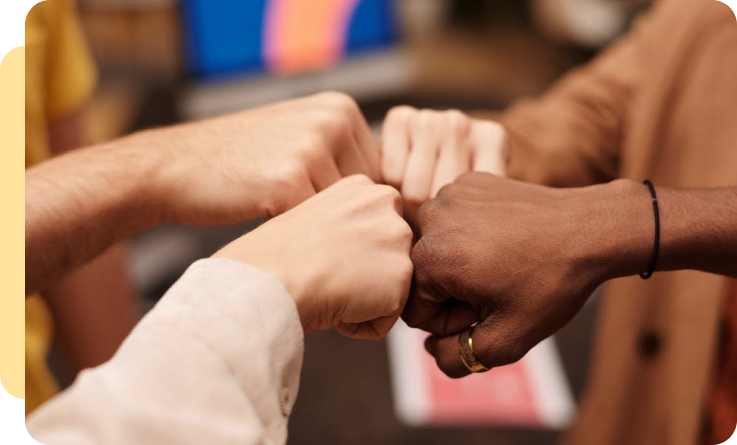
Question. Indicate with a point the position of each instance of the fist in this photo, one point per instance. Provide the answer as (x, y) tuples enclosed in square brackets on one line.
[(423, 150), (261, 162), (519, 259), (343, 255)]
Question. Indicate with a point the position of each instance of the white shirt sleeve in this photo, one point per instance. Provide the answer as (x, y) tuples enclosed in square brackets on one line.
[(216, 361)]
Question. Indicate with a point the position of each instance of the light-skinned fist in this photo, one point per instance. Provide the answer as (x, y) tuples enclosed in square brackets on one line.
[(343, 255)]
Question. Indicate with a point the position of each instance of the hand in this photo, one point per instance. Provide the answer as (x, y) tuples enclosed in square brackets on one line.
[(520, 259), (423, 150), (261, 162), (343, 255)]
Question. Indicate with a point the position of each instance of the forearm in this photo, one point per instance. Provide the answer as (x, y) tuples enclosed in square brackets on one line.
[(573, 135), (79, 204), (698, 229), (557, 142)]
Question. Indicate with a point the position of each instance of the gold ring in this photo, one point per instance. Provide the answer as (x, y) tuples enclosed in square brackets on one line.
[(465, 347)]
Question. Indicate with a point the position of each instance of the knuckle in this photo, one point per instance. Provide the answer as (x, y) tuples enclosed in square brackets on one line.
[(421, 254), (400, 234), (290, 175), (357, 180), (386, 193), (339, 101), (402, 113), (444, 192), (405, 232), (311, 153), (415, 196), (407, 268), (459, 123), (490, 131), (394, 196), (330, 124), (313, 141), (426, 119), (429, 210), (470, 179), (395, 304)]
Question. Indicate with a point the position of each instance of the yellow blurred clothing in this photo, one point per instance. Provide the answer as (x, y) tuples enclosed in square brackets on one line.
[(60, 77)]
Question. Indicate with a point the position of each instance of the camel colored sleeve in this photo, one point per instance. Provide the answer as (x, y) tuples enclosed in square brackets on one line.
[(572, 135)]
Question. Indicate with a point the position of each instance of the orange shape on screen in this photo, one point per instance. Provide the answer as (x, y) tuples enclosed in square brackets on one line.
[(306, 35)]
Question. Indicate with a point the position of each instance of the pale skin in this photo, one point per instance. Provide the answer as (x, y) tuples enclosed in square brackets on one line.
[(258, 163), (425, 150), (521, 259), (254, 164), (94, 307), (312, 251)]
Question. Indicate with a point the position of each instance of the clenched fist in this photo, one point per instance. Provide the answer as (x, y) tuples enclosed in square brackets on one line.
[(519, 259), (259, 162), (423, 150), (343, 255)]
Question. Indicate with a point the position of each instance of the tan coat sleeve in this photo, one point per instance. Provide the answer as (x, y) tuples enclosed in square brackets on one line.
[(572, 135), (216, 361)]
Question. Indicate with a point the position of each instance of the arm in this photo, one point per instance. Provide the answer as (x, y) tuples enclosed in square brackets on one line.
[(525, 258), (187, 374), (95, 306), (571, 136), (700, 230), (254, 164), (218, 359), (79, 204)]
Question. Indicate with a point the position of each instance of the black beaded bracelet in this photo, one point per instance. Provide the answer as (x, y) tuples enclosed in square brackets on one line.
[(656, 245)]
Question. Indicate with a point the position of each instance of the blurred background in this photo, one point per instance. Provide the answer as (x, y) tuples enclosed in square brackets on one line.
[(166, 61)]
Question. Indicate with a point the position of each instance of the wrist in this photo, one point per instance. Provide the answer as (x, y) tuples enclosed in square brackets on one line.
[(130, 173), (619, 229), (154, 173), (262, 257)]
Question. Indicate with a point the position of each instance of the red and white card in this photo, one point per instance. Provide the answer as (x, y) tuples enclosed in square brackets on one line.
[(532, 392)]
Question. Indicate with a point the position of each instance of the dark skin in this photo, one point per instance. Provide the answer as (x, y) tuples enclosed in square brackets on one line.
[(521, 259)]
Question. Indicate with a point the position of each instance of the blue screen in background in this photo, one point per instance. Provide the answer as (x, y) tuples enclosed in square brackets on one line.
[(226, 37)]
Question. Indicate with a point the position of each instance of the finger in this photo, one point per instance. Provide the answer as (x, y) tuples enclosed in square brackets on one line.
[(324, 173), (491, 149), (352, 181), (447, 352), (453, 161), (438, 317), (294, 197), (395, 145), (489, 160), (350, 159), (368, 145), (422, 158), (369, 330), (493, 344), (447, 355), (396, 201)]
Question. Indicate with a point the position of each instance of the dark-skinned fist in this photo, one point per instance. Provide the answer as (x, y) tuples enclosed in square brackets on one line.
[(518, 259)]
